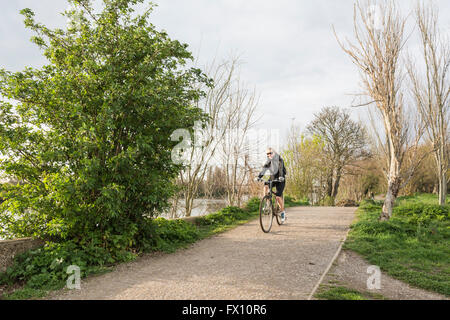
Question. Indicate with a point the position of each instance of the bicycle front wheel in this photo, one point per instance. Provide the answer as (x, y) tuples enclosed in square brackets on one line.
[(266, 214), (279, 221)]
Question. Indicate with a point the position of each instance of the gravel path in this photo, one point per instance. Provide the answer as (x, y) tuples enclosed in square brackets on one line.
[(243, 263)]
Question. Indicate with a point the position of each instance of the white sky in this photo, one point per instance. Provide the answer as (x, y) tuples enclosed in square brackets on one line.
[(288, 48)]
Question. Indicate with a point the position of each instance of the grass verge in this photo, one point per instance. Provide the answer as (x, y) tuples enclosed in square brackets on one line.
[(413, 246), (329, 292)]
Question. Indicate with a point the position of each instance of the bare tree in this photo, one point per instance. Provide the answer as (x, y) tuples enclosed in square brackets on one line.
[(236, 147), (412, 157), (344, 139), (221, 141), (208, 136), (432, 91), (377, 53)]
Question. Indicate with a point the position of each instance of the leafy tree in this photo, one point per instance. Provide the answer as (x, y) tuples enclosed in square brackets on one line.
[(305, 161), (88, 134), (344, 142)]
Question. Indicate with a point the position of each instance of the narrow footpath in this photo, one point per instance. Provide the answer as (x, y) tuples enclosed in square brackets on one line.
[(243, 263)]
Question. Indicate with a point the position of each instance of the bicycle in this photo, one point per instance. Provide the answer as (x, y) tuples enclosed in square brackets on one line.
[(268, 208)]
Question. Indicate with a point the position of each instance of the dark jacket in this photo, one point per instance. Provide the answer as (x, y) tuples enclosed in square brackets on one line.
[(275, 166)]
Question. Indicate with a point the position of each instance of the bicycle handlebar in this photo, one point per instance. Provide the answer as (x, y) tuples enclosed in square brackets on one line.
[(268, 181)]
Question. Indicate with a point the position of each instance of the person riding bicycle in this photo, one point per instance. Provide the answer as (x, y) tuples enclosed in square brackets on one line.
[(275, 165)]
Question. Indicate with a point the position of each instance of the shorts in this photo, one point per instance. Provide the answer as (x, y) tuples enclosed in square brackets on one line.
[(280, 188)]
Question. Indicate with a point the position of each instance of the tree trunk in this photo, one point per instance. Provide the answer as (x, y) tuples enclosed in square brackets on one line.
[(441, 158), (174, 207), (391, 196), (394, 183), (336, 183), (436, 188), (442, 189), (189, 205), (329, 190)]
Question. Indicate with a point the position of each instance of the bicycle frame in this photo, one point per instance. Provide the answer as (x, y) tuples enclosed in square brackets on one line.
[(271, 195)]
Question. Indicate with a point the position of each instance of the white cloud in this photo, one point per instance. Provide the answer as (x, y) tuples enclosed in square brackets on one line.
[(288, 46)]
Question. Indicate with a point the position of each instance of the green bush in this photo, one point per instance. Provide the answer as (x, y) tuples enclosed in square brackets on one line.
[(172, 234), (292, 202), (226, 216), (328, 201), (288, 199), (97, 161), (253, 204), (365, 202), (94, 158), (45, 267)]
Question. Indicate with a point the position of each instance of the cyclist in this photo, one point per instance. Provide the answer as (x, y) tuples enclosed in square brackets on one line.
[(275, 165)]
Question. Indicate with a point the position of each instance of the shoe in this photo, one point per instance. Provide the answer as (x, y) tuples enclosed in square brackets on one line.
[(283, 216)]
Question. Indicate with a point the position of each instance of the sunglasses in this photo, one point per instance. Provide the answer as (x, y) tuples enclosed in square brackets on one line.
[(270, 153)]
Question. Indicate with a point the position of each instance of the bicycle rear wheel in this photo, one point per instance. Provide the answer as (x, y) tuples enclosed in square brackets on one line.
[(266, 214), (278, 213)]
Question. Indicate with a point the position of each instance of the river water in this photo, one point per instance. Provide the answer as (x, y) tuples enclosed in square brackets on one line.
[(201, 207)]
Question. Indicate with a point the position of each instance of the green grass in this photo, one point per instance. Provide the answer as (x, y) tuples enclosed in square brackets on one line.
[(26, 294), (291, 202), (424, 198), (344, 293), (413, 246), (170, 236)]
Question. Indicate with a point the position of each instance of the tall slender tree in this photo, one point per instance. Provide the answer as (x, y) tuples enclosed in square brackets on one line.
[(432, 90), (380, 40)]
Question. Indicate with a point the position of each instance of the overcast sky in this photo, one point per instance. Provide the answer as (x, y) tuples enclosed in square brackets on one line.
[(288, 48)]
